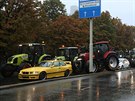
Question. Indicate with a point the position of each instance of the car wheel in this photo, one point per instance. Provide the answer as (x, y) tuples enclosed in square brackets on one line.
[(122, 67), (67, 73), (112, 63), (42, 76)]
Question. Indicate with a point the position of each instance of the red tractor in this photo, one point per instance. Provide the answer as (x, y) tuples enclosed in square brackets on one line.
[(103, 58)]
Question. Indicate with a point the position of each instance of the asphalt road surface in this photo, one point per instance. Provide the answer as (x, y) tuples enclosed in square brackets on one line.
[(105, 86)]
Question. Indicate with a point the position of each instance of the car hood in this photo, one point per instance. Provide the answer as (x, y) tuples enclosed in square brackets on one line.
[(35, 69)]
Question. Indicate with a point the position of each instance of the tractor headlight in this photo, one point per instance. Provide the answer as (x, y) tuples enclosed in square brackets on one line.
[(79, 59)]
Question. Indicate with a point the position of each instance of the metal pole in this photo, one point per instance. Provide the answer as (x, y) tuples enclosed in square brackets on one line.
[(91, 46)]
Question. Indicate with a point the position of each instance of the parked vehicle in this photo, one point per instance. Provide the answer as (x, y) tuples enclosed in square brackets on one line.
[(47, 69), (104, 58), (131, 57), (123, 63), (30, 54), (68, 54)]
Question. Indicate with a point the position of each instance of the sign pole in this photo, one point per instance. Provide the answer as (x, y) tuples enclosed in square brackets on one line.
[(90, 9), (91, 46)]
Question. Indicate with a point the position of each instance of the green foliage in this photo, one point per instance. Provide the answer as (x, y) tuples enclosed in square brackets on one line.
[(53, 8), (18, 23), (112, 29)]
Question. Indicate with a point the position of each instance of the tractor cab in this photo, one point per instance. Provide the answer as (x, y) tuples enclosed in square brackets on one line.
[(34, 51), (100, 48), (68, 53)]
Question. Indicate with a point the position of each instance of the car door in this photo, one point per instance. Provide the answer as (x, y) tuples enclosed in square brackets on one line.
[(63, 67), (56, 69)]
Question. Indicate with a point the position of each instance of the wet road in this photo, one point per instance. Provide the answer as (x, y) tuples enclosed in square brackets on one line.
[(105, 86)]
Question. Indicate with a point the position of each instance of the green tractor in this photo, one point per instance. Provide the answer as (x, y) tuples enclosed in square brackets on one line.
[(69, 54), (30, 54)]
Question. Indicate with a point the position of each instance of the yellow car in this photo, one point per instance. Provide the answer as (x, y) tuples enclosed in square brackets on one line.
[(47, 69)]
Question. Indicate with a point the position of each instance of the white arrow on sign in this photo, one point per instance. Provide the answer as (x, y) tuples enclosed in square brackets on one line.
[(93, 13), (85, 14)]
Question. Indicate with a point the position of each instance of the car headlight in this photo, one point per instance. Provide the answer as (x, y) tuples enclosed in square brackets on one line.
[(35, 72), (20, 72)]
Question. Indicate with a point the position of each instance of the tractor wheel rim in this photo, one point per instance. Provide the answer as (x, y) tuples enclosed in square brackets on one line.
[(113, 62)]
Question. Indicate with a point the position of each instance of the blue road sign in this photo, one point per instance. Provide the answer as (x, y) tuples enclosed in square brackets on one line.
[(89, 8)]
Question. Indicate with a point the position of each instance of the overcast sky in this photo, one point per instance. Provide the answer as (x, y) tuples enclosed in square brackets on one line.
[(123, 9)]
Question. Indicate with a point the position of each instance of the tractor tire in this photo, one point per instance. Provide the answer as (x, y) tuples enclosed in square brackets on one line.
[(100, 69), (95, 67), (24, 65), (101, 66), (7, 70), (78, 67), (42, 76), (112, 63)]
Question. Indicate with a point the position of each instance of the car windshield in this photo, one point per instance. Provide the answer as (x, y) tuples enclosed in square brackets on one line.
[(46, 64)]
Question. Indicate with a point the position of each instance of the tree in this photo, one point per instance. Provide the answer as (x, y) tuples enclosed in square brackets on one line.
[(63, 32), (75, 15), (30, 21), (53, 9), (111, 29), (20, 22)]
